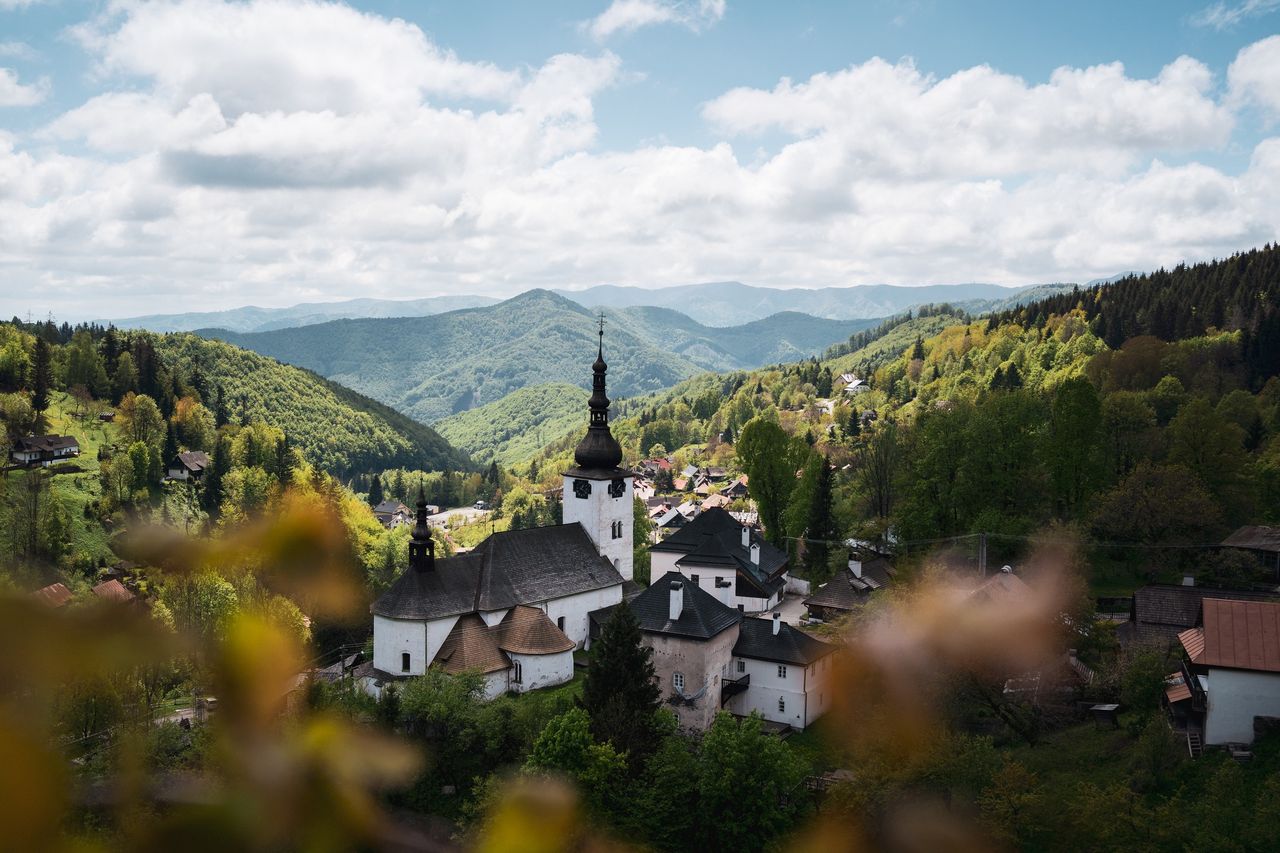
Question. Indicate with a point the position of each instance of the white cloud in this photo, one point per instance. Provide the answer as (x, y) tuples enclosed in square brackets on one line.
[(892, 119), (1224, 16), (238, 167), (17, 50), (1254, 76), (625, 16), (15, 94)]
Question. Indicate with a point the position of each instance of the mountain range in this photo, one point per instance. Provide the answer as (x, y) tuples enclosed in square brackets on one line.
[(433, 367), (727, 303), (251, 318)]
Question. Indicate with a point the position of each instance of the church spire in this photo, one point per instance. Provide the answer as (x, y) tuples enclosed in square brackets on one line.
[(422, 549), (598, 449)]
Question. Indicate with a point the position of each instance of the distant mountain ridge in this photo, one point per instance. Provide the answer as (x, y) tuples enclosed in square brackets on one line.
[(251, 318), (433, 367), (731, 303)]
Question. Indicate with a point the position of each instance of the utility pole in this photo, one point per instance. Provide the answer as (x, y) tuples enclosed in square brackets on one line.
[(982, 554)]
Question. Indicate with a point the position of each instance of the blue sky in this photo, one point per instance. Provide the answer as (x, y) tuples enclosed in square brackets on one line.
[(641, 141)]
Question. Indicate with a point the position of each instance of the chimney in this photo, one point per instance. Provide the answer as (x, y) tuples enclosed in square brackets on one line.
[(755, 553), (724, 592), (677, 601), (777, 623), (746, 536), (855, 565)]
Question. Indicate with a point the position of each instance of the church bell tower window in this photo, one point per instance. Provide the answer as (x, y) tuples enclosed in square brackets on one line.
[(617, 488), (582, 489)]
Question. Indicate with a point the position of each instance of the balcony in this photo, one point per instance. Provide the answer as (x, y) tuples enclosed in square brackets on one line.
[(730, 687)]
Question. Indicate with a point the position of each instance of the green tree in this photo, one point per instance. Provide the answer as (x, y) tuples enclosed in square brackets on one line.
[(619, 692), (1209, 446), (749, 790), (375, 491), (1073, 445), (84, 365), (566, 747), (664, 811), (641, 529), (41, 377), (1157, 504), (1128, 426), (125, 379), (769, 457), (821, 529)]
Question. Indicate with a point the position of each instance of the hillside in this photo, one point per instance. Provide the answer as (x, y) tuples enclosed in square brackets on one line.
[(433, 367), (516, 427), (251, 318), (336, 428), (730, 303)]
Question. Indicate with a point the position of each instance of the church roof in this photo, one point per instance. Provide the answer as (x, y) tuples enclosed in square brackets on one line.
[(702, 616), (471, 645), (529, 631), (507, 569)]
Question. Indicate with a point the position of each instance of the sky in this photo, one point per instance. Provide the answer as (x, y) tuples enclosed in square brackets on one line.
[(203, 154)]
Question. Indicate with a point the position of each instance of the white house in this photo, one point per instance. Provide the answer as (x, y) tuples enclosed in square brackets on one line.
[(188, 465), (1233, 660), (516, 606), (715, 546), (708, 657), (43, 449)]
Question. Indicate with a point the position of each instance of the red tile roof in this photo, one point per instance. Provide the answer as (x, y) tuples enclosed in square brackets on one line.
[(1236, 634), (113, 590), (55, 595)]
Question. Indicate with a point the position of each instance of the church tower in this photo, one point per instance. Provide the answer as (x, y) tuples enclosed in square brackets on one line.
[(597, 492)]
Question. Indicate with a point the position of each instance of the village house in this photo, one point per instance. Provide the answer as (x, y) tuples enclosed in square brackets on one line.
[(851, 384), (391, 513), (113, 590), (1260, 540), (709, 657), (714, 547), (54, 595), (43, 449), (851, 588), (188, 465), (1229, 684), (516, 606), (1160, 612)]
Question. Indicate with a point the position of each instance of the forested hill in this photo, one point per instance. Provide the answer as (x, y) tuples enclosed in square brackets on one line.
[(1240, 293), (432, 367), (338, 429)]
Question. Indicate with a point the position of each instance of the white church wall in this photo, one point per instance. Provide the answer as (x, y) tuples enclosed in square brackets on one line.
[(493, 617), (393, 638), (537, 671), (573, 609)]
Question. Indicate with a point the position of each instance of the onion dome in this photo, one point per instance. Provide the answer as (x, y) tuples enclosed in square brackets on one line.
[(598, 450)]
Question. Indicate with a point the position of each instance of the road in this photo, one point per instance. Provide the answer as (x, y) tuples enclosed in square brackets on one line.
[(469, 515)]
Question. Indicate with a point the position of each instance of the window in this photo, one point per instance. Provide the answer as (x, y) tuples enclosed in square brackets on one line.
[(742, 666), (693, 579), (719, 580), (517, 672), (677, 681), (740, 609), (782, 672), (782, 705), (617, 530), (404, 662), (560, 622)]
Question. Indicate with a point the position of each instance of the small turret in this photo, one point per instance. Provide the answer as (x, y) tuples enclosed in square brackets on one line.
[(598, 450), (422, 549)]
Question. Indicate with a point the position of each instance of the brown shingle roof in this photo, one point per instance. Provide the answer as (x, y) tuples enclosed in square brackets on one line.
[(471, 645), (1161, 611), (528, 631), (1255, 538), (55, 595), (1237, 634), (113, 590)]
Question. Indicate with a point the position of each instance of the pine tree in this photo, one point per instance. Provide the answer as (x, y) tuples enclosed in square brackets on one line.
[(41, 376), (170, 442), (917, 352), (375, 491), (821, 527), (619, 692), (854, 428)]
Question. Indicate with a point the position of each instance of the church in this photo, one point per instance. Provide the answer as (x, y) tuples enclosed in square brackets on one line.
[(516, 607)]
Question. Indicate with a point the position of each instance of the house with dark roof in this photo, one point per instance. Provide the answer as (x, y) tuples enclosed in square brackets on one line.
[(43, 449), (1160, 612), (708, 657), (851, 588), (391, 513), (714, 546), (1259, 539), (516, 606), (188, 465), (1230, 681)]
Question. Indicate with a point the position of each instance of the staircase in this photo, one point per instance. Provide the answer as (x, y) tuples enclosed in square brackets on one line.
[(1194, 744)]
